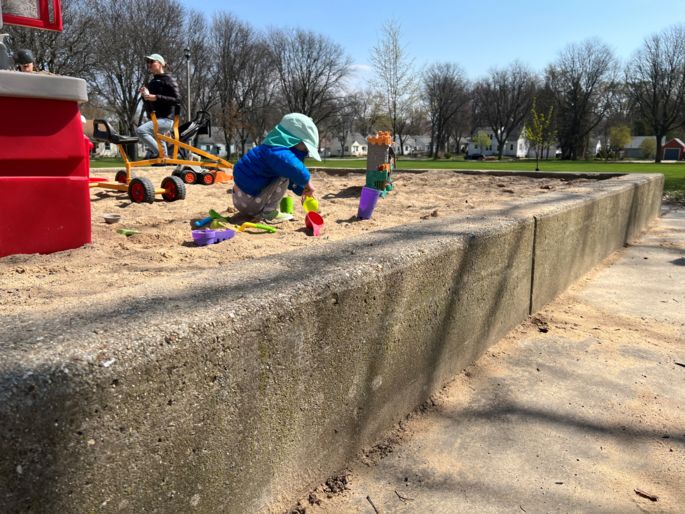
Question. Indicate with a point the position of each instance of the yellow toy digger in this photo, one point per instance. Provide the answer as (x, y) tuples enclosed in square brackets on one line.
[(141, 189)]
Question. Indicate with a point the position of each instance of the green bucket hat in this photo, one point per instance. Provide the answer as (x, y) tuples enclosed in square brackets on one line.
[(293, 129)]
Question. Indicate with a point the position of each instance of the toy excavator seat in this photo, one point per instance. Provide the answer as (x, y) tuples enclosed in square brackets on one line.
[(200, 124), (103, 131)]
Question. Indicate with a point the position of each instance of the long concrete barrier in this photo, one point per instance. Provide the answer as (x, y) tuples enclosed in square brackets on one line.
[(239, 395)]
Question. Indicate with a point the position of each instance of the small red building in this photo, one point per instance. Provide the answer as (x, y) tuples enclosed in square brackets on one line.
[(674, 150)]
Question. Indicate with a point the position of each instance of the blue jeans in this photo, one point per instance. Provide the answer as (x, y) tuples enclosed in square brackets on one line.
[(146, 134)]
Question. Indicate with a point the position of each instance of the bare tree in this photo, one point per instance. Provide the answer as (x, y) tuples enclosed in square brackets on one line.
[(445, 94), (461, 127), (341, 124), (203, 91), (311, 70), (619, 114), (366, 107), (236, 51), (504, 100), (257, 89), (655, 78), (69, 52), (582, 80), (394, 77), (120, 50)]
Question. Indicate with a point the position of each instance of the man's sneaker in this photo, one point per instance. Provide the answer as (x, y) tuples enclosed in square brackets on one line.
[(276, 216)]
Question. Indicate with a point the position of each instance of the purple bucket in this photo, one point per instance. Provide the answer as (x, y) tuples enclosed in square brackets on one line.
[(367, 202)]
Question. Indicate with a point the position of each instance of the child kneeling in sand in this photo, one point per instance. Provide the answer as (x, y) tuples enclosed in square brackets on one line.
[(264, 174)]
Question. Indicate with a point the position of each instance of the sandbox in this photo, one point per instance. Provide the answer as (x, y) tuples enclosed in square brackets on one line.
[(146, 374), (114, 266)]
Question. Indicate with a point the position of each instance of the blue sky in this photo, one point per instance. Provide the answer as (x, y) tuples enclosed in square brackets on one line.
[(478, 35)]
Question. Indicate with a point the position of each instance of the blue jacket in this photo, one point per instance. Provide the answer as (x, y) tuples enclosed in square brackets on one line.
[(260, 166)]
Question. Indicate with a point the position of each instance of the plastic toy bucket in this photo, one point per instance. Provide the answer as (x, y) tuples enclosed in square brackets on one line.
[(287, 205), (367, 202), (314, 222)]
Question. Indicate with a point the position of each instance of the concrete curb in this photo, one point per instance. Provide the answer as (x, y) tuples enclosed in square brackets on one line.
[(239, 396)]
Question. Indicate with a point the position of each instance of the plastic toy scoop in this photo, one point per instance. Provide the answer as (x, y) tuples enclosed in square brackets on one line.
[(260, 226), (310, 204), (314, 222)]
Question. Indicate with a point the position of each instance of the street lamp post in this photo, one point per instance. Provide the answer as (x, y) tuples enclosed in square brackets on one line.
[(186, 52)]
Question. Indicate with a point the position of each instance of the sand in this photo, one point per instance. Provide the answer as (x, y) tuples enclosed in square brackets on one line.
[(114, 265)]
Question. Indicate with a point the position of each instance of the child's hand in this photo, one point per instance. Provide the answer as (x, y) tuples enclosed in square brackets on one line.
[(308, 191)]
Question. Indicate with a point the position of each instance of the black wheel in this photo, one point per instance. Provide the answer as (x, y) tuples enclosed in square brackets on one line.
[(121, 177), (140, 190), (207, 178), (178, 173), (174, 189), (189, 176)]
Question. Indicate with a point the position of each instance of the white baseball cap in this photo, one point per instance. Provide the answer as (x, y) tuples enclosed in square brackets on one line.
[(156, 57)]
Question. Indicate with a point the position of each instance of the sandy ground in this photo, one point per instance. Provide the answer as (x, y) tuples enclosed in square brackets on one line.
[(578, 409), (164, 249)]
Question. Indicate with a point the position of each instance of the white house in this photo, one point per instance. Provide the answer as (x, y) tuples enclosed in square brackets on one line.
[(416, 145), (515, 146), (355, 146)]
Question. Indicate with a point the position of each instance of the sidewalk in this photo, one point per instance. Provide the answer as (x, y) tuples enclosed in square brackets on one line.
[(579, 409)]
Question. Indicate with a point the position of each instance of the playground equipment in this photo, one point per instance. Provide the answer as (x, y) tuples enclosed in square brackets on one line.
[(197, 173), (380, 163), (140, 189), (44, 165), (42, 14)]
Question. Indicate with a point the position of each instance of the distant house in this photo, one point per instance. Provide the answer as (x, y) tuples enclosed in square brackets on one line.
[(416, 145), (634, 149), (355, 145), (674, 150), (516, 145)]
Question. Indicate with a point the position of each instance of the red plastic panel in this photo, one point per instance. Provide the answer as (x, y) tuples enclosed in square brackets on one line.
[(41, 14), (41, 137), (43, 214)]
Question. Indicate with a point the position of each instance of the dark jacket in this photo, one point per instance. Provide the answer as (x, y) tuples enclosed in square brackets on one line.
[(263, 164), (168, 96)]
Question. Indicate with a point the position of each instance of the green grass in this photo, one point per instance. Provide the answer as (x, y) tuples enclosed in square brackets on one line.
[(674, 173), (106, 162)]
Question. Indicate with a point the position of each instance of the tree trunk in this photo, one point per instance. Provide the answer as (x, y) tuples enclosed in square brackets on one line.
[(659, 149), (500, 151)]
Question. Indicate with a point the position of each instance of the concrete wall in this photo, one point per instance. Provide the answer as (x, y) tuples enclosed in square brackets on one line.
[(239, 396)]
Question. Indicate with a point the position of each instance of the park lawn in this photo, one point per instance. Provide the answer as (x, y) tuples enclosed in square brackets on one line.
[(674, 173), (106, 162)]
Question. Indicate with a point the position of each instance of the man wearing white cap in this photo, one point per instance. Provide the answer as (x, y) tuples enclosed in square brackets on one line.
[(264, 174), (161, 96)]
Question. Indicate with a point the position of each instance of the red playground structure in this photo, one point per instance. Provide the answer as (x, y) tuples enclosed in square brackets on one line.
[(44, 166)]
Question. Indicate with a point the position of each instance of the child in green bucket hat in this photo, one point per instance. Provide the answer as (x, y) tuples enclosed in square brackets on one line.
[(264, 174)]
